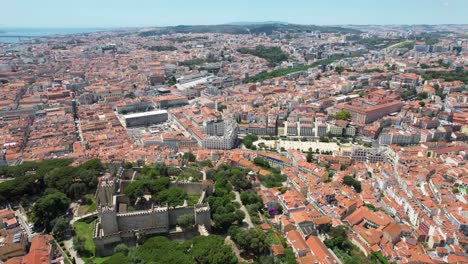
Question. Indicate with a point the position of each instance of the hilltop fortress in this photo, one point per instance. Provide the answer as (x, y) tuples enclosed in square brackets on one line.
[(115, 225)]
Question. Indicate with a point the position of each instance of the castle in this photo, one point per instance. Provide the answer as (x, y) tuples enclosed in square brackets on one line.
[(115, 225)]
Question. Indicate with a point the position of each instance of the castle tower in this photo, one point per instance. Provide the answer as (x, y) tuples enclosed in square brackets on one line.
[(203, 215), (108, 218), (105, 192)]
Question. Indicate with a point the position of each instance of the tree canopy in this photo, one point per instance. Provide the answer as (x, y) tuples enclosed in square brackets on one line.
[(172, 197), (186, 220), (350, 181), (200, 250), (249, 140), (49, 207), (139, 188), (342, 115), (252, 240)]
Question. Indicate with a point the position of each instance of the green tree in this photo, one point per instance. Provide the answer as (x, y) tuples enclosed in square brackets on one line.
[(172, 197), (60, 178), (338, 238), (206, 163), (121, 248), (422, 96), (139, 188), (261, 162), (249, 140), (422, 104), (350, 181), (339, 69), (212, 250), (189, 157), (343, 115), (77, 190), (160, 250), (128, 165), (252, 240), (49, 207), (61, 227), (94, 164), (309, 157), (186, 220), (88, 177), (424, 66), (79, 244), (248, 198)]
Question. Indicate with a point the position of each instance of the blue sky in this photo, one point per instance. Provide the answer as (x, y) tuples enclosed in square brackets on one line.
[(137, 13)]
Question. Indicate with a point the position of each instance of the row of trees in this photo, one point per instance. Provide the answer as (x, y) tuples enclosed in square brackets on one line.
[(226, 212), (449, 76), (282, 72), (32, 178), (253, 203)]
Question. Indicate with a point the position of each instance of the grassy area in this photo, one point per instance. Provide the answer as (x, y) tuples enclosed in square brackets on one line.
[(85, 230), (89, 207)]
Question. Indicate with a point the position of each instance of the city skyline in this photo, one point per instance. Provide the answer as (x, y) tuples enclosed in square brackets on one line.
[(118, 14)]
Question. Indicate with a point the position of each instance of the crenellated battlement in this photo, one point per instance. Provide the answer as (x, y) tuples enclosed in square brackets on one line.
[(144, 212), (106, 209)]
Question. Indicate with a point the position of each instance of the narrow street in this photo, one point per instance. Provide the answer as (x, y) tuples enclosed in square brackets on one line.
[(23, 219)]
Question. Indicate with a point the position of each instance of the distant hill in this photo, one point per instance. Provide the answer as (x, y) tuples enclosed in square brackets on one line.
[(244, 23), (247, 29)]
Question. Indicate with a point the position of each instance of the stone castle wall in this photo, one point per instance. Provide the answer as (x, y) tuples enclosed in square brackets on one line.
[(176, 212), (159, 218)]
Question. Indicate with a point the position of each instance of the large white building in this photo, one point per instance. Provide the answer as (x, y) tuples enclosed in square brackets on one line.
[(146, 118), (226, 141)]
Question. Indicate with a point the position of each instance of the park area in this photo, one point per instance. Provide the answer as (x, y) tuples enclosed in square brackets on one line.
[(85, 245)]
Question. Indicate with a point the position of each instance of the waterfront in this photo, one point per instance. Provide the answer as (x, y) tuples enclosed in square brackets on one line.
[(41, 32)]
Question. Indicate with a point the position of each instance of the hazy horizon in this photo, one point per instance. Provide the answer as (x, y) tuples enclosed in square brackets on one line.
[(228, 23), (147, 13)]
